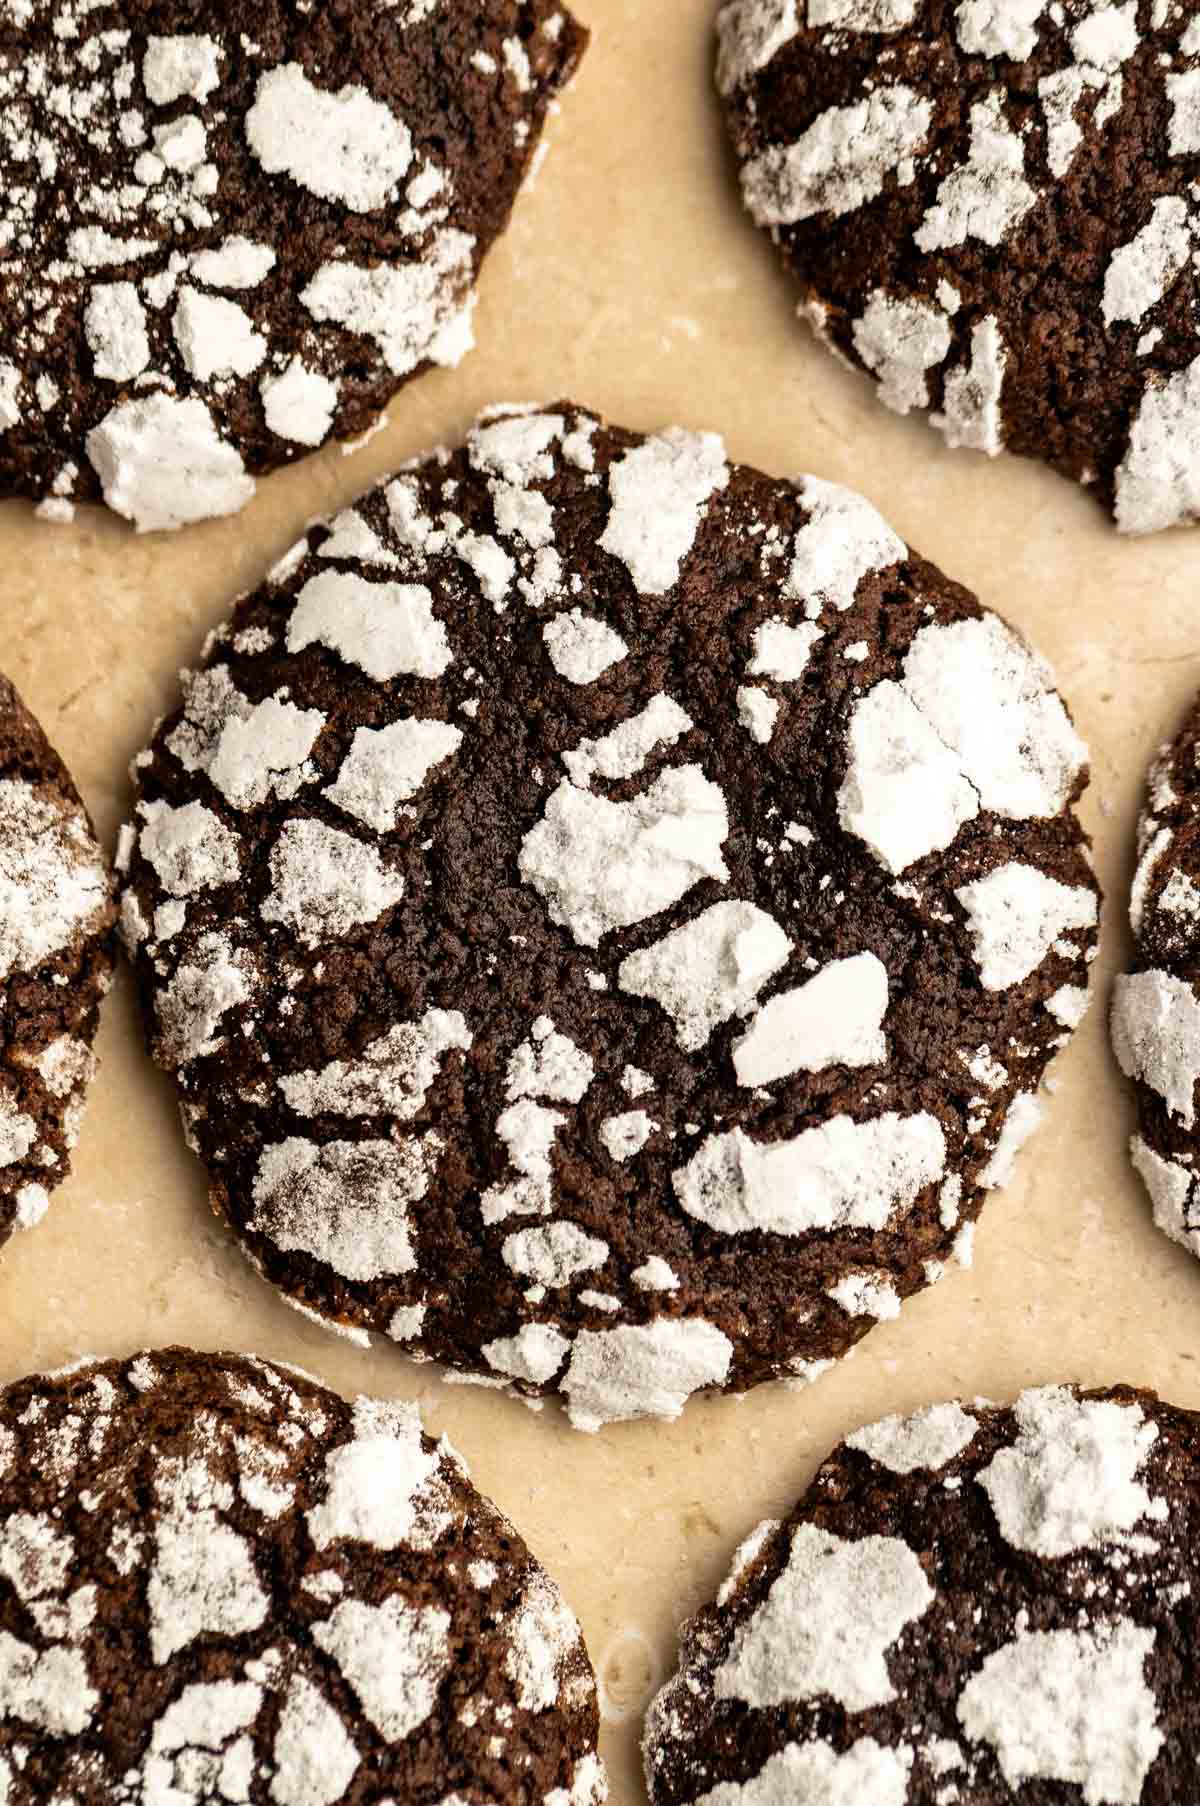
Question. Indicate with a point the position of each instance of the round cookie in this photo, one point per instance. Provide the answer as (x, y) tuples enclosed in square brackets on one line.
[(1155, 1016), (982, 1604), (221, 1583), (990, 205), (229, 233), (609, 912), (57, 951)]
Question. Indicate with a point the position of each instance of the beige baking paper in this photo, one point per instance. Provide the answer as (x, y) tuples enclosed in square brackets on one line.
[(631, 281)]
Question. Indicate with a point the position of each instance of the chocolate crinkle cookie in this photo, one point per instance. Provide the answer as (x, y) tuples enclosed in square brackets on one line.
[(971, 1605), (57, 950), (221, 1585), (991, 206), (609, 913), (231, 231), (1156, 1006)]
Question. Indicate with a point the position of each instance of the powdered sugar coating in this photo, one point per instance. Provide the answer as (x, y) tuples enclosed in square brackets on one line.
[(56, 958), (956, 1673), (134, 150), (913, 164), (277, 1569), (1155, 1006), (512, 973)]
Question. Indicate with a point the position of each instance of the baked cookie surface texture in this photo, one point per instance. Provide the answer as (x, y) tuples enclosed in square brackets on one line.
[(220, 1583), (609, 913), (1155, 1017), (57, 952), (970, 1607), (229, 232), (990, 205)]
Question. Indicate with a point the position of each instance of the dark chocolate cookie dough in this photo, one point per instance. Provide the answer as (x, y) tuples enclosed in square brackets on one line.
[(57, 948), (1156, 1006), (230, 231), (969, 1607), (991, 205), (609, 912), (221, 1583)]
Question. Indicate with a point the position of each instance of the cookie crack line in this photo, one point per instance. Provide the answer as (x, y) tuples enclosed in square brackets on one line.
[(527, 909)]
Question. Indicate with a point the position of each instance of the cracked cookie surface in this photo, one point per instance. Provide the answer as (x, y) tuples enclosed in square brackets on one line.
[(609, 913), (231, 232), (972, 1604), (991, 206), (219, 1582), (57, 951)]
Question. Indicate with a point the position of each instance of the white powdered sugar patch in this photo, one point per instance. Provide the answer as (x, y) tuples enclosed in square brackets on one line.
[(18, 1132), (970, 416), (1070, 1706), (315, 1760), (115, 324), (413, 313), (1158, 482), (215, 337), (782, 651), (868, 1774), (300, 403), (827, 1624), (644, 1370), (343, 147), (709, 970), (866, 1295), (389, 766), (1070, 1482), (660, 492), (973, 723), (841, 1175), (181, 68), (749, 33), (1141, 272), (901, 341), (1015, 916), (394, 1656), (345, 1203), (999, 27), (543, 1633), (237, 264), (842, 161), (203, 1580), (391, 1077), (387, 629), (758, 713), (535, 1353), (1069, 1005), (190, 848), (1024, 1116), (53, 881), (46, 1688), (929, 1439), (835, 1019), (844, 540), (1183, 92), (582, 648), (1170, 1189), (383, 1487), (988, 195), (162, 463), (601, 865), (325, 883), (625, 1136), (215, 978), (625, 749), (1156, 1037), (554, 1255)]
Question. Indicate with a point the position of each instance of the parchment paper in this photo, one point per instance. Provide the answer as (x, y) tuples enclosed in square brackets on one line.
[(632, 281)]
